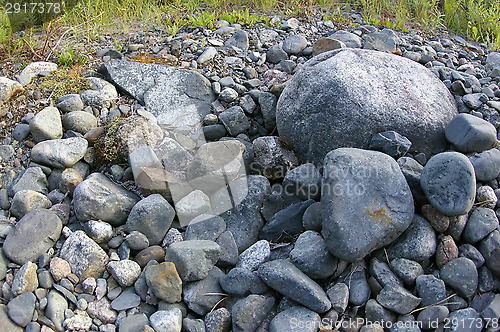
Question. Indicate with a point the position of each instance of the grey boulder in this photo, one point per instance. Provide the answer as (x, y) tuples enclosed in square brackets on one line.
[(328, 97), (59, 153)]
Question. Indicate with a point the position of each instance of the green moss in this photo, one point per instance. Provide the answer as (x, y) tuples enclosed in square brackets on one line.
[(106, 145)]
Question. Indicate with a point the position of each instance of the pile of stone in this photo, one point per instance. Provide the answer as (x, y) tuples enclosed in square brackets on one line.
[(359, 194)]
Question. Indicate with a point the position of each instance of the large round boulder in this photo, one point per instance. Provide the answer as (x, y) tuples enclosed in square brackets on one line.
[(344, 97)]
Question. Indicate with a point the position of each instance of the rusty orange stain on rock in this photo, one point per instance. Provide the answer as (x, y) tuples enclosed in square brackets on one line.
[(380, 215)]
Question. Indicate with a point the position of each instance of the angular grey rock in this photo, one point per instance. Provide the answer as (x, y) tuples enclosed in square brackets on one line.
[(294, 44), (99, 231), (303, 181), (287, 222), (194, 293), (383, 41), (97, 198), (475, 100), (152, 216), (383, 274), (235, 120), (85, 256), (70, 103), (229, 249), (460, 274), (60, 153), (312, 257), (46, 125), (362, 210), (348, 38), (218, 320), (326, 44), (359, 289), (449, 183), (125, 272), (431, 290), (468, 133), (244, 220), (254, 255), (489, 249), (482, 222), (391, 143), (228, 95), (493, 60), (398, 299), (288, 280), (486, 165), (376, 313), (174, 157), (126, 300), (207, 55), (284, 321), (460, 318), (32, 236), (272, 158), (239, 40), (267, 102), (275, 54), (323, 94), (32, 178), (242, 282), (193, 259), (339, 296), (417, 243), (167, 320), (205, 227), (177, 97), (133, 323), (25, 201), (25, 279), (248, 313), (193, 325), (101, 93), (79, 121), (20, 309)]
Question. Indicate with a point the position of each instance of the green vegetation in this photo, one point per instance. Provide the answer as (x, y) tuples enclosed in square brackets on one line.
[(477, 20)]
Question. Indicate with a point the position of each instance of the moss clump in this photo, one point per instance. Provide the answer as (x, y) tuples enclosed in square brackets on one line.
[(148, 58), (107, 144), (63, 81)]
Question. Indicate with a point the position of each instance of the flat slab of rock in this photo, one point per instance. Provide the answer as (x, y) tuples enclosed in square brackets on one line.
[(85, 256), (328, 98), (287, 279), (367, 202), (177, 97), (97, 198), (449, 183), (59, 153), (32, 236)]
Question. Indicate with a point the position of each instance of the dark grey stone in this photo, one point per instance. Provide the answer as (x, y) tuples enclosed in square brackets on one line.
[(303, 181), (70, 103), (214, 132), (133, 323), (383, 41), (272, 158), (275, 54), (489, 248), (287, 222), (475, 100), (32, 178), (125, 301), (433, 316), (205, 227), (152, 216), (468, 133), (486, 165), (339, 296), (398, 299), (383, 274), (449, 182), (312, 257), (363, 211), (431, 290), (307, 320), (359, 289), (164, 90), (194, 293), (32, 236), (267, 102), (460, 275), (311, 220), (323, 101), (374, 312), (193, 325), (248, 313), (482, 222), (461, 321), (242, 282), (407, 270), (487, 282), (218, 321), (235, 120), (288, 280), (412, 171), (294, 44), (391, 143), (229, 250)]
